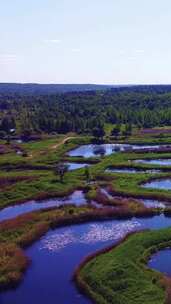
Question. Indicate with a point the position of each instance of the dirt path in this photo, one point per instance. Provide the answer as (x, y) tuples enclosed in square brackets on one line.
[(63, 142)]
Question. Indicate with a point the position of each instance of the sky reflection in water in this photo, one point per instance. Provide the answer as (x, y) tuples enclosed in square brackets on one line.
[(96, 233)]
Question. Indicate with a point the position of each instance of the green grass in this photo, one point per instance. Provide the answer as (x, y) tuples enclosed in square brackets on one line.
[(131, 184), (120, 275), (42, 151), (46, 183)]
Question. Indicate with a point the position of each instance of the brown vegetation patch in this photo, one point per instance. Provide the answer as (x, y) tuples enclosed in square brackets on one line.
[(8, 181), (165, 149), (155, 131), (4, 149), (166, 284), (13, 263), (122, 205), (21, 167)]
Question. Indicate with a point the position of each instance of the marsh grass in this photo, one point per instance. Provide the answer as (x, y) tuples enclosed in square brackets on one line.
[(120, 274)]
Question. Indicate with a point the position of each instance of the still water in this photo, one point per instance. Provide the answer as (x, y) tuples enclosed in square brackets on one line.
[(161, 162), (161, 261), (163, 184), (107, 149), (56, 255), (76, 198)]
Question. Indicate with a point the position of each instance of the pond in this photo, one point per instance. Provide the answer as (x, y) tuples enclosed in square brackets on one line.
[(148, 203), (91, 150), (132, 170), (161, 162), (77, 198), (163, 184), (106, 193), (161, 261), (154, 203), (56, 255), (75, 166)]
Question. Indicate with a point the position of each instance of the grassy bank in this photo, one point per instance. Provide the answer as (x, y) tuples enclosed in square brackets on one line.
[(120, 275)]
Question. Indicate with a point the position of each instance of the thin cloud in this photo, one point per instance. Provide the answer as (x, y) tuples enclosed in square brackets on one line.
[(8, 56), (55, 41), (140, 51), (132, 53), (132, 58), (122, 52), (5, 58), (76, 50)]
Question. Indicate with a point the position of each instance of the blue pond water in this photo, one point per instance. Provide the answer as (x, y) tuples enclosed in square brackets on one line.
[(74, 166), (161, 162), (149, 203), (161, 261), (154, 203), (132, 170), (106, 149), (56, 255), (77, 198), (164, 184)]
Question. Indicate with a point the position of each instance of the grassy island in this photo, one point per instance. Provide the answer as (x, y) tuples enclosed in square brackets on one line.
[(120, 274)]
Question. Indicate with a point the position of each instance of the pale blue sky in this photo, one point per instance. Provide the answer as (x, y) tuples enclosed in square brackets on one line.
[(85, 41)]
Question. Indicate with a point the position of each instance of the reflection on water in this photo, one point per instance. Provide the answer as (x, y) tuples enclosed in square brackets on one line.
[(161, 162), (58, 253), (161, 261), (96, 233), (164, 184), (107, 149), (132, 170), (154, 203), (77, 198), (58, 241), (74, 166), (106, 192)]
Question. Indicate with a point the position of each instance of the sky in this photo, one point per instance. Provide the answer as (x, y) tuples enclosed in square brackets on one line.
[(85, 41)]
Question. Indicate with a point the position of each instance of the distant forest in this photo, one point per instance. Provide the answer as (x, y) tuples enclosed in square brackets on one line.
[(83, 112)]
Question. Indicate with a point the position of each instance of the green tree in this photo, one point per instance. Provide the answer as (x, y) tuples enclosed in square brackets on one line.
[(87, 174), (128, 130), (99, 132), (115, 131), (60, 170)]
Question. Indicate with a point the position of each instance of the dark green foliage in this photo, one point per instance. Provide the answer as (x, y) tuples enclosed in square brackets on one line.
[(7, 123), (98, 132), (128, 130), (87, 174), (115, 131), (87, 112), (60, 170)]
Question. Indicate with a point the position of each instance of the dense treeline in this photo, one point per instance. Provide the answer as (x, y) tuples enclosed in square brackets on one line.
[(85, 111), (47, 89)]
